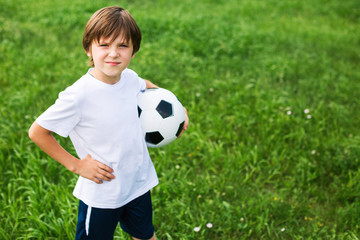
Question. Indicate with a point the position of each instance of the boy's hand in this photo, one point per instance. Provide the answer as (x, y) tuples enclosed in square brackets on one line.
[(87, 167), (94, 170), (186, 124)]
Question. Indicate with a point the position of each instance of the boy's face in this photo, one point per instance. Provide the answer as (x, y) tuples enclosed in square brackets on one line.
[(110, 58)]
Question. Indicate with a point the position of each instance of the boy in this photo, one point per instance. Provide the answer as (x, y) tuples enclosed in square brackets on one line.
[(99, 113)]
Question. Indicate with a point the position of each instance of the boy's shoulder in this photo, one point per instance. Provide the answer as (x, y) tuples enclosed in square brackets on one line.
[(129, 73), (79, 84), (77, 88)]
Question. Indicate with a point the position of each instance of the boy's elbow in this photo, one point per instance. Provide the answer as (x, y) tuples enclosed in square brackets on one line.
[(34, 131), (31, 132)]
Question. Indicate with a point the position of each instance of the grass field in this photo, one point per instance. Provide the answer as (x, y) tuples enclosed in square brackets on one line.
[(273, 94)]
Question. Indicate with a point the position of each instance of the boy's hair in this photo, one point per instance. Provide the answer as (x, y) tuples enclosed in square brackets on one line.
[(110, 22)]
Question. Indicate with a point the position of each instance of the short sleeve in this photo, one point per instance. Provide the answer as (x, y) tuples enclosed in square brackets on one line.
[(137, 83), (63, 116), (142, 84)]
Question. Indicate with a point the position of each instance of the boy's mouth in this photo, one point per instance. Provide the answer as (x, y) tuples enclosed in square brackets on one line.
[(113, 63)]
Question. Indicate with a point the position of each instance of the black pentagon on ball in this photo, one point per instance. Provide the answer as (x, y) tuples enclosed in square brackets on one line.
[(139, 111), (164, 108), (181, 126), (153, 137)]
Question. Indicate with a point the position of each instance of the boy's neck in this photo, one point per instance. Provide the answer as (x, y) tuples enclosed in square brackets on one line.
[(111, 80)]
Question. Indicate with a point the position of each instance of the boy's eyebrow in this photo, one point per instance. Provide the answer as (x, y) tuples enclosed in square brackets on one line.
[(109, 40)]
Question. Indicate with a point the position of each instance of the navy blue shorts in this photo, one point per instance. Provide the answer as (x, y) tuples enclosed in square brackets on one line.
[(135, 218)]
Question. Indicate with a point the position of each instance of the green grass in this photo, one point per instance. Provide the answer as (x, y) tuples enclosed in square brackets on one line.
[(252, 162)]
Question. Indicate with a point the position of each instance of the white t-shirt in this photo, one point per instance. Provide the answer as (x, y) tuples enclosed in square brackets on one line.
[(102, 120)]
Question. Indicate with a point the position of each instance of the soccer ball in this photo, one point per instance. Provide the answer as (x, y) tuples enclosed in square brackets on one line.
[(162, 116)]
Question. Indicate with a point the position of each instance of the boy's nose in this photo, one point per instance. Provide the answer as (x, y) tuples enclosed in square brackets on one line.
[(113, 52)]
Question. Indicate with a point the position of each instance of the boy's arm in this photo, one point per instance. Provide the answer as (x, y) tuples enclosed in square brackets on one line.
[(86, 167), (150, 84), (186, 124)]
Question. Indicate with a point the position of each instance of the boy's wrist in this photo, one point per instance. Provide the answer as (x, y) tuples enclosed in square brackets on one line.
[(74, 165)]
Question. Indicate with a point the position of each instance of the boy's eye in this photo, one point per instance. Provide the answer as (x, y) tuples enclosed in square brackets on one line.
[(104, 45), (123, 45)]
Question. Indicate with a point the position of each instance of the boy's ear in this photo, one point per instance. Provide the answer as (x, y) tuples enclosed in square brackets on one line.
[(133, 55)]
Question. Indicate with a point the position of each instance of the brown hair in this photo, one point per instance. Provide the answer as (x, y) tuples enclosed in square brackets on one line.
[(110, 22)]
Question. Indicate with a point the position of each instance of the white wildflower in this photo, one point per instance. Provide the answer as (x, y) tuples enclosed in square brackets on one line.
[(306, 111), (288, 112), (283, 229), (309, 116), (209, 225), (197, 229)]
